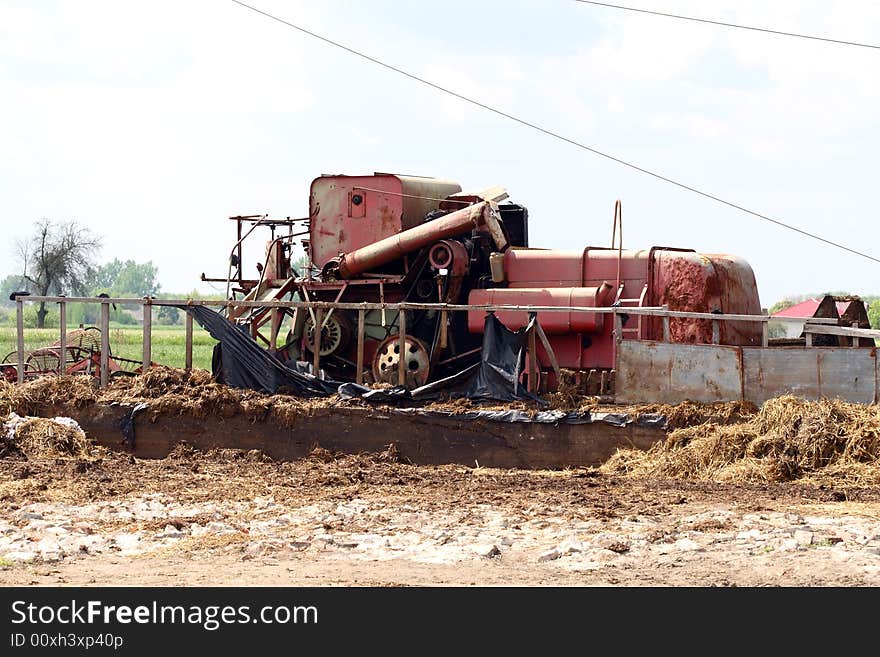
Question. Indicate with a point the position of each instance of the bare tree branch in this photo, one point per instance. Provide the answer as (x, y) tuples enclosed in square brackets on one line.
[(59, 257)]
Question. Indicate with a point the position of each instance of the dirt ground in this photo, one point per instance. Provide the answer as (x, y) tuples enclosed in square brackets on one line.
[(230, 518)]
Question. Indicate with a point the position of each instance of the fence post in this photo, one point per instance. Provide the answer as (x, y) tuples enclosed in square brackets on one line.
[(316, 340), (667, 336), (401, 357), (148, 335), (359, 377), (765, 333), (533, 362), (62, 323), (19, 325), (716, 332), (105, 343), (855, 340), (188, 349)]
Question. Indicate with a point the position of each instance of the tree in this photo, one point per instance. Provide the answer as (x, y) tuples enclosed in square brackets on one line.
[(8, 286), (58, 258), (125, 279)]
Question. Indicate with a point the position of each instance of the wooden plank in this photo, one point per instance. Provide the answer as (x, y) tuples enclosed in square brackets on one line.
[(19, 330), (833, 372), (62, 342), (359, 377), (420, 439), (316, 340), (657, 372), (716, 332), (444, 329), (765, 334), (844, 331), (667, 335), (534, 376), (274, 326), (188, 342), (550, 354), (105, 343), (147, 355), (401, 361)]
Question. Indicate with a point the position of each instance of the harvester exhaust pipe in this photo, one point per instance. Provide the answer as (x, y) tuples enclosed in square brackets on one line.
[(480, 216)]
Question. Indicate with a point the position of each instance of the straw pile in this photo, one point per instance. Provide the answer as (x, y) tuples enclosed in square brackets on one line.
[(44, 438), (788, 439), (26, 399)]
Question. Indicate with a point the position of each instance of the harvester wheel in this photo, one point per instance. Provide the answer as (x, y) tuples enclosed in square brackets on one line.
[(335, 334), (418, 362)]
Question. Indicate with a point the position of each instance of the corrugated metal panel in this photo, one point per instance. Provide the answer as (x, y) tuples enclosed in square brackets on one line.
[(671, 373), (849, 374)]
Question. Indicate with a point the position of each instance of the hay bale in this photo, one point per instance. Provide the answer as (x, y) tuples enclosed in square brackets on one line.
[(788, 439), (29, 397), (43, 438)]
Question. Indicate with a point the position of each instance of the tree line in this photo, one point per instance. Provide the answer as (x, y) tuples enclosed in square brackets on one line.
[(62, 258)]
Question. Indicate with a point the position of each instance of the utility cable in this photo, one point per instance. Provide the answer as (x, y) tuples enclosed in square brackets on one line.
[(558, 136), (694, 19)]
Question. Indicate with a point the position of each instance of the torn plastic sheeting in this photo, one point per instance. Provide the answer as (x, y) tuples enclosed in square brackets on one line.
[(497, 376), (494, 378), (126, 424), (245, 364), (545, 417)]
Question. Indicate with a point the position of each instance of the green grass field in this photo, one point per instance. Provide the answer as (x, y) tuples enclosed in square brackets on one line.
[(126, 341)]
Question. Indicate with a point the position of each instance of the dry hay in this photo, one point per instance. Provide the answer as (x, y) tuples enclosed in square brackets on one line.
[(828, 441), (688, 413), (42, 438), (29, 397), (567, 396), (195, 393)]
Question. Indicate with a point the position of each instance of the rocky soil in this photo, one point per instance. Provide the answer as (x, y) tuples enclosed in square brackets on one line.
[(230, 518)]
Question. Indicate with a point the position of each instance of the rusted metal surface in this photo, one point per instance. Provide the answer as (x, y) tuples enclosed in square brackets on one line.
[(673, 373), (383, 251), (655, 372), (688, 281), (351, 212), (844, 373)]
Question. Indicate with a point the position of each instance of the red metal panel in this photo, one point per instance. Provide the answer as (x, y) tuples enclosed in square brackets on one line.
[(332, 231), (389, 204), (553, 323)]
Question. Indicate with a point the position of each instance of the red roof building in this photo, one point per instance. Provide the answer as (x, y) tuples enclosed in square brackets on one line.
[(808, 308)]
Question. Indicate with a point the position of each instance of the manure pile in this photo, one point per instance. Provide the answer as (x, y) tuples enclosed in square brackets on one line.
[(43, 438), (788, 439)]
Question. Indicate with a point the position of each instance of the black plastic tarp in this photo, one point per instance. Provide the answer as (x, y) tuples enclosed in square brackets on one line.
[(245, 364), (495, 378)]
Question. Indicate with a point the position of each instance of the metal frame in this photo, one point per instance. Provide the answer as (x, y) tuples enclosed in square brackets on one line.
[(812, 325)]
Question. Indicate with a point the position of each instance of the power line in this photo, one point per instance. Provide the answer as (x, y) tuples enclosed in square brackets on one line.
[(556, 135), (734, 25)]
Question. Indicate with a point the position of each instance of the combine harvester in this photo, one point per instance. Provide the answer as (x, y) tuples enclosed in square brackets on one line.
[(389, 239), (416, 291)]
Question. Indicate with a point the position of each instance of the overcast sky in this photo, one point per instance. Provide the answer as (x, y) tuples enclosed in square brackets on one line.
[(151, 122)]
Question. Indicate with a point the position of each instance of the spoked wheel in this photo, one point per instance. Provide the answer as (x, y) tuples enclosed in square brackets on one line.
[(335, 334), (416, 360)]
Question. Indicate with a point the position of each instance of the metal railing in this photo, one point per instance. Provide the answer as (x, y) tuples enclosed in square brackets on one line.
[(812, 325)]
